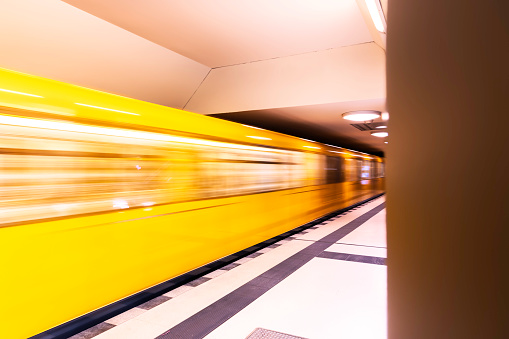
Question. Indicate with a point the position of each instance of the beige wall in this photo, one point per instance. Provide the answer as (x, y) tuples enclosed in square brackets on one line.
[(336, 75), (448, 169), (55, 40)]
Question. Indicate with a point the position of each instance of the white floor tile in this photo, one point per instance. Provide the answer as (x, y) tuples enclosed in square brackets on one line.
[(371, 233), (127, 315), (243, 260), (178, 291), (362, 250), (215, 274), (264, 250), (334, 225), (133, 329), (324, 299)]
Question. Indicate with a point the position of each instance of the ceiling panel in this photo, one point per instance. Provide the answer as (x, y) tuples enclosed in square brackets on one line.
[(341, 74), (55, 40), (227, 32)]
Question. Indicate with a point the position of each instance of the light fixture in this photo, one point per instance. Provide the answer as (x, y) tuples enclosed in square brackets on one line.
[(383, 126), (375, 10), (386, 142), (311, 147), (20, 93), (361, 115), (380, 134), (256, 137), (106, 109), (252, 127)]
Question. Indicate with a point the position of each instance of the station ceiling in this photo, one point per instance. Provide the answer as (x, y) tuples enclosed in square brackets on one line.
[(229, 32), (292, 66)]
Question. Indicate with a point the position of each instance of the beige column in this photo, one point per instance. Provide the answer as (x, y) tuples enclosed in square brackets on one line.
[(448, 169)]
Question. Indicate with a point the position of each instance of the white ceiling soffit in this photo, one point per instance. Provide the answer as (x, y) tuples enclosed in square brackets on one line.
[(228, 32), (55, 40), (336, 75)]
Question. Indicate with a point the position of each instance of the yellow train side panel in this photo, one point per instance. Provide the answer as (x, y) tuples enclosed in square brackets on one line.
[(64, 269), (58, 270)]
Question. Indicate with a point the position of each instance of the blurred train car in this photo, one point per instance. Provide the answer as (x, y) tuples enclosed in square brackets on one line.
[(103, 196)]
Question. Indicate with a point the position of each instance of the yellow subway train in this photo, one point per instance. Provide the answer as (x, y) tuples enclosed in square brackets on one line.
[(103, 196)]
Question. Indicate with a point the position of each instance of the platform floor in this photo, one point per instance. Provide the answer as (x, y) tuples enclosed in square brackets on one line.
[(327, 282)]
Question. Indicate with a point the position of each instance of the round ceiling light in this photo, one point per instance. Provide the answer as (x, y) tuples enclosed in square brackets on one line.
[(361, 115), (380, 134)]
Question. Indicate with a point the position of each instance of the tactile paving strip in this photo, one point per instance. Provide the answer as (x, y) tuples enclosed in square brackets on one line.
[(261, 333)]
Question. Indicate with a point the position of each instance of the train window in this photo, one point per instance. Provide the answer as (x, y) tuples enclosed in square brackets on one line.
[(48, 173), (243, 172), (353, 169), (381, 169), (333, 170), (313, 169), (297, 171), (365, 169), (348, 169)]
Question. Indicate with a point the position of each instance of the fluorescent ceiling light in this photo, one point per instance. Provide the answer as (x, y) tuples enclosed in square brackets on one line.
[(333, 146), (106, 109), (22, 93), (311, 147), (361, 115), (379, 134), (376, 14), (253, 127), (383, 126), (255, 137)]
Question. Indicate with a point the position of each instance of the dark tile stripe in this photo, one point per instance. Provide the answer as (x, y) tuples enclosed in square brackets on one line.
[(93, 331), (154, 302), (353, 257), (274, 246), (205, 321), (230, 266), (198, 281)]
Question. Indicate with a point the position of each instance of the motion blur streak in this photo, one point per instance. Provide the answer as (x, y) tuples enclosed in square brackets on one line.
[(95, 208)]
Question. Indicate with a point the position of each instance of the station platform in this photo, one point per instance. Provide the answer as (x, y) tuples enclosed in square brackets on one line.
[(326, 282)]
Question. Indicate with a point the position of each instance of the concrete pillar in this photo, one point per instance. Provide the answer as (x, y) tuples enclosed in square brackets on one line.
[(448, 169)]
